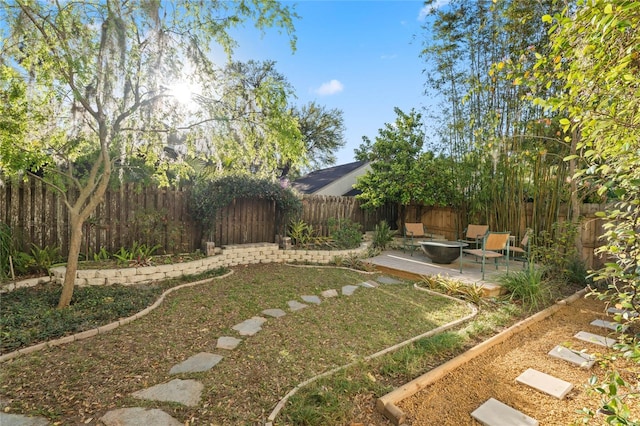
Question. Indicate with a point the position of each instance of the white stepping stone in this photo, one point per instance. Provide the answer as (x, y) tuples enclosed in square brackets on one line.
[(200, 362), (275, 313), (137, 416), (348, 290), (312, 299), (595, 339), (496, 413), (625, 313), (294, 305), (329, 293), (369, 284), (7, 419), (185, 392), (611, 325), (250, 327), (227, 342), (545, 383), (583, 360)]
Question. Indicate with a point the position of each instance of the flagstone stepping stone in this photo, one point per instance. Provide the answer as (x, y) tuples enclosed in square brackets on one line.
[(199, 362), (138, 416), (611, 325), (387, 280), (369, 284), (622, 312), (581, 359), (545, 383), (227, 342), (294, 305), (185, 392), (275, 313), (329, 293), (312, 299), (595, 338), (496, 413), (348, 290), (7, 419), (250, 327)]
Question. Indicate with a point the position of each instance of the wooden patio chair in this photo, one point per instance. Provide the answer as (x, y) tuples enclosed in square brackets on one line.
[(411, 232), (494, 246), (523, 250), (474, 234)]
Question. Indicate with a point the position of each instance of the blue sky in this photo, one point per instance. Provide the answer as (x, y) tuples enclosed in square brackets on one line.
[(361, 57)]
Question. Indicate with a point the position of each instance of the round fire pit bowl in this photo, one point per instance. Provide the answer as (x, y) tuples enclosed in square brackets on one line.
[(442, 251)]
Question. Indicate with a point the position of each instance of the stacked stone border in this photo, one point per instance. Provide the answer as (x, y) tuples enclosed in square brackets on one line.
[(227, 256)]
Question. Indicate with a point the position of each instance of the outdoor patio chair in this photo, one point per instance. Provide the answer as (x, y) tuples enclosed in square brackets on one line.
[(494, 246), (412, 232), (523, 250), (474, 234)]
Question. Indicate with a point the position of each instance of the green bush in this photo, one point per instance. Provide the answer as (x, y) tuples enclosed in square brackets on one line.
[(382, 235), (345, 233), (527, 286)]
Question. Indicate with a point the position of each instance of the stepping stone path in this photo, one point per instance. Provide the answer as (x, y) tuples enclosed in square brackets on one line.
[(188, 392), (611, 325), (185, 392), (595, 338), (581, 359), (496, 413), (294, 305), (623, 312), (229, 343), (545, 383), (200, 362), (348, 290), (20, 420), (138, 416), (275, 313), (312, 299), (250, 327)]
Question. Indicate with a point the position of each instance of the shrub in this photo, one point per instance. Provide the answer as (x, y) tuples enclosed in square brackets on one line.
[(527, 286), (382, 235), (345, 233)]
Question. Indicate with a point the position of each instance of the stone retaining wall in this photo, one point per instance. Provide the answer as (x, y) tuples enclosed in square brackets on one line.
[(228, 256)]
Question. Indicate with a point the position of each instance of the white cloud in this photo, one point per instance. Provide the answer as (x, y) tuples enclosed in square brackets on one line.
[(330, 88), (426, 10)]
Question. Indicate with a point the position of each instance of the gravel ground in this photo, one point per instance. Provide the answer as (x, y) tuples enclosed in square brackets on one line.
[(450, 400)]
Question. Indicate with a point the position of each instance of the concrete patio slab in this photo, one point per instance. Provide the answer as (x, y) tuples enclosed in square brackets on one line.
[(496, 413), (545, 383)]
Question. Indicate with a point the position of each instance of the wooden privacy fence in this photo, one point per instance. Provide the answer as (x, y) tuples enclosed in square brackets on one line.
[(37, 215)]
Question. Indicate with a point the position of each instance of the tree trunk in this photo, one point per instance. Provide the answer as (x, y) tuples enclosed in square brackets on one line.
[(72, 262)]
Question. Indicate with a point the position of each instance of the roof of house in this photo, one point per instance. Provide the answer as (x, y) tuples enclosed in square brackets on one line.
[(317, 180)]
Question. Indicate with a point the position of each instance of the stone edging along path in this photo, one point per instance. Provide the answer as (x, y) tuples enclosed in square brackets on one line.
[(108, 327), (386, 404)]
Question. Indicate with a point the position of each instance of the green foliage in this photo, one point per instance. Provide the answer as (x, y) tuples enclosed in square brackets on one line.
[(614, 393), (139, 255), (345, 233), (556, 251), (6, 244), (208, 197), (103, 254), (301, 233), (471, 293), (44, 257), (382, 235), (528, 287)]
